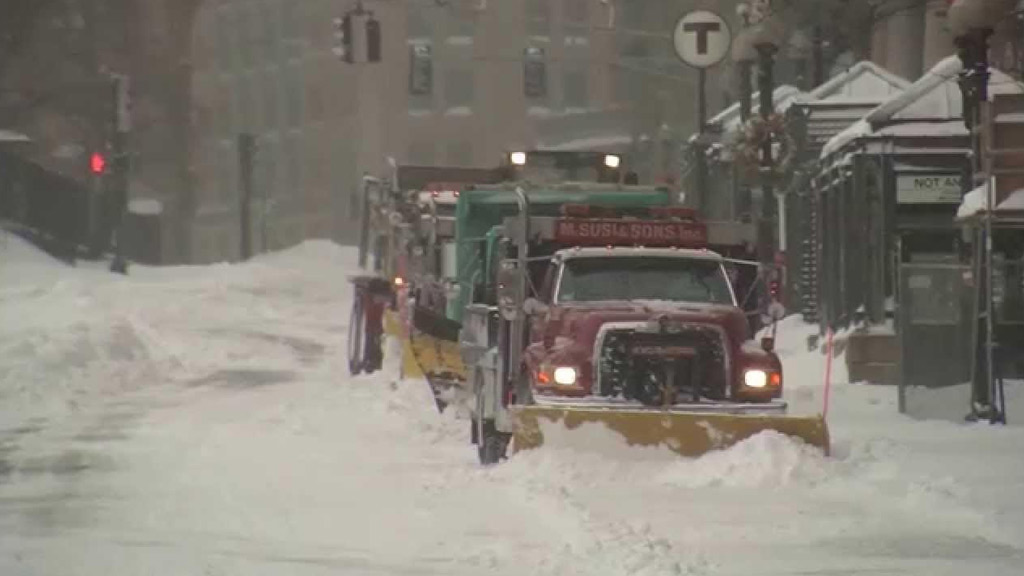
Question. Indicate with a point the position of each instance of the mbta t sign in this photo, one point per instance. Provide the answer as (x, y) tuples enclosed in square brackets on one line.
[(702, 38)]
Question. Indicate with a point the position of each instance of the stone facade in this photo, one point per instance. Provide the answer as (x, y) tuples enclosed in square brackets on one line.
[(911, 36)]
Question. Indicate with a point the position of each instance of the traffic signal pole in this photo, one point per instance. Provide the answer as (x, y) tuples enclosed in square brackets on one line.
[(120, 167), (246, 152)]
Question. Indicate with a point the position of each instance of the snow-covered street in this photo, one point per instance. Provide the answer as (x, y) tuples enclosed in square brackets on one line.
[(200, 420)]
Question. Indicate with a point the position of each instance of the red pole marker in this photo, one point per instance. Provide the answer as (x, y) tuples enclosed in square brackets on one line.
[(828, 372)]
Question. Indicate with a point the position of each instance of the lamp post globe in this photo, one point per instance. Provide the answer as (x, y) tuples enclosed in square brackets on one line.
[(743, 49), (967, 15)]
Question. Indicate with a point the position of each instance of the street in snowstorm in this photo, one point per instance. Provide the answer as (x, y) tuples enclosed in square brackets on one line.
[(200, 420)]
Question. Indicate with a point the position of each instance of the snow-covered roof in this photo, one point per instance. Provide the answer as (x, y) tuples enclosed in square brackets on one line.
[(783, 97), (931, 106), (856, 130), (937, 96), (863, 82)]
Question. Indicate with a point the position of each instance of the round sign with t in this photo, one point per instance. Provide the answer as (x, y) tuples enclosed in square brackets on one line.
[(702, 38)]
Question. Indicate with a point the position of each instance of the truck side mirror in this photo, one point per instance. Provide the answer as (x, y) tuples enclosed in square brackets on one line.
[(534, 307), (508, 292)]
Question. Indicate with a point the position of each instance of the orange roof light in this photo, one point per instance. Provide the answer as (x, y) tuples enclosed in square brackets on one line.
[(576, 210)]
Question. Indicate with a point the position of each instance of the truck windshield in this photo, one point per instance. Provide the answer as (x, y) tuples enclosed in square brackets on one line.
[(644, 278)]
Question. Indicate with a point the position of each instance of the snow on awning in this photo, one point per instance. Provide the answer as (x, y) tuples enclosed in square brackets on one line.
[(976, 201)]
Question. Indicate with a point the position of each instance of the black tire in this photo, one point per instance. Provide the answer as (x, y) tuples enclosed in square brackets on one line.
[(524, 391), (356, 324), (492, 445)]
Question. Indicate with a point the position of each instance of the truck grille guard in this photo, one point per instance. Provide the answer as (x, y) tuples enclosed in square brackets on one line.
[(644, 327)]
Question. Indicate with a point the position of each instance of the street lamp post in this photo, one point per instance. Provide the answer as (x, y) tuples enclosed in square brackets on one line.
[(766, 37), (972, 23)]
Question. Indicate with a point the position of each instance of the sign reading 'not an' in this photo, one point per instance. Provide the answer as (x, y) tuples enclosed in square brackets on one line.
[(702, 38)]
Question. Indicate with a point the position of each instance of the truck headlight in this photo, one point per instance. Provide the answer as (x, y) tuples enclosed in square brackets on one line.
[(565, 376), (518, 158), (755, 378), (758, 378), (612, 161)]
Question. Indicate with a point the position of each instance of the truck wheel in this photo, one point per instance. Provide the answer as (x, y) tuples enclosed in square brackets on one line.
[(493, 445), (356, 323), (524, 391)]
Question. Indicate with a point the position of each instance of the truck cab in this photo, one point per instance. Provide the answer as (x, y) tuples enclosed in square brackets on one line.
[(654, 326)]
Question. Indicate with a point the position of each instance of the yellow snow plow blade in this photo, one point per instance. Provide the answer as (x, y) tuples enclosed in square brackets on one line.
[(686, 433), (424, 355)]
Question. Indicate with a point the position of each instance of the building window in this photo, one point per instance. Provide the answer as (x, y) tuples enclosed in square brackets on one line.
[(271, 33), (421, 153), (458, 88), (575, 89), (577, 12), (459, 153), (272, 101), (461, 29), (246, 105), (248, 34), (634, 14), (538, 18), (295, 89), (535, 73), (226, 33), (420, 24), (421, 70)]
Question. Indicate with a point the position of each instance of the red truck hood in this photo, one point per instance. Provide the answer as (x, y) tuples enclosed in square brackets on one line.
[(585, 318)]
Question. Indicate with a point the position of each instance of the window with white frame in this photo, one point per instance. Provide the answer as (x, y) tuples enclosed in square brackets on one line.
[(458, 88), (575, 87)]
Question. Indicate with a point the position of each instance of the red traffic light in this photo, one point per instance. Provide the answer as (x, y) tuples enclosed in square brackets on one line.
[(98, 163)]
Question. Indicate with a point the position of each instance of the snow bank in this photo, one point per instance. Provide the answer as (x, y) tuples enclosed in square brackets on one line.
[(71, 334)]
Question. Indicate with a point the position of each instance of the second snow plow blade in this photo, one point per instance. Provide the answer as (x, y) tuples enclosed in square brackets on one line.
[(430, 351), (688, 433)]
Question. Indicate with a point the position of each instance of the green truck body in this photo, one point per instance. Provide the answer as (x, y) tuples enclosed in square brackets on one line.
[(480, 211)]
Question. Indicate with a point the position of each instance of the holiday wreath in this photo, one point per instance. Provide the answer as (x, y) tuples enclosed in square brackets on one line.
[(747, 149)]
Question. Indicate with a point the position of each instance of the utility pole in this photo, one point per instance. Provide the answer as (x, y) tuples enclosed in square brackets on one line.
[(121, 165), (818, 56), (766, 88), (246, 156)]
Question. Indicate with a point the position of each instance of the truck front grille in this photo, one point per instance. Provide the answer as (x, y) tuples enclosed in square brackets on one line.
[(684, 365)]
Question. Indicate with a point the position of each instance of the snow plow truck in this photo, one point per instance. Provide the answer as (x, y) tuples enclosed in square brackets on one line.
[(572, 303)]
